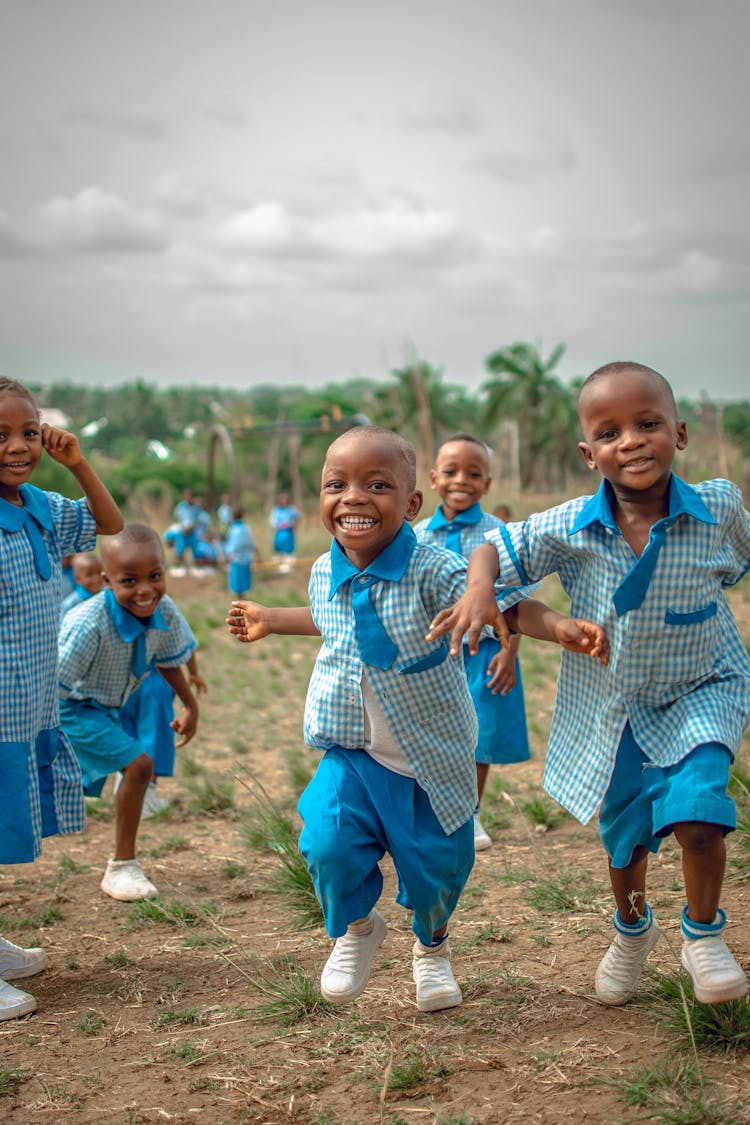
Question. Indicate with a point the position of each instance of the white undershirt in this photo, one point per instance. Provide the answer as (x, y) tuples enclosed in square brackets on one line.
[(380, 743)]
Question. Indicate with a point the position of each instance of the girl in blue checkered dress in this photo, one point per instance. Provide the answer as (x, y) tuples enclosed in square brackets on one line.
[(40, 781)]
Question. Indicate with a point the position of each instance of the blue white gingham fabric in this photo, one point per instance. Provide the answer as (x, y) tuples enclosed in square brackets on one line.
[(99, 648), (29, 714), (424, 693), (678, 669)]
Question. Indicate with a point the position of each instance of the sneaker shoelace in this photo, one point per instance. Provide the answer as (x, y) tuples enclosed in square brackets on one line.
[(346, 952), (712, 955), (433, 970), (625, 956)]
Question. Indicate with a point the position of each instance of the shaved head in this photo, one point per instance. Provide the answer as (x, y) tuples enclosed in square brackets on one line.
[(401, 447), (131, 534)]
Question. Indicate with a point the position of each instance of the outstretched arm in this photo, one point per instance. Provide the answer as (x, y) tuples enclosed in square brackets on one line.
[(249, 621), (535, 619), (474, 609), (64, 448)]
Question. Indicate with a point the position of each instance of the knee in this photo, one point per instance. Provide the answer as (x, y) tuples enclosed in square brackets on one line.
[(693, 836), (140, 770)]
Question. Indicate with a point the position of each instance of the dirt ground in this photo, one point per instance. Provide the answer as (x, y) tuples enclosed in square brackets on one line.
[(159, 1019)]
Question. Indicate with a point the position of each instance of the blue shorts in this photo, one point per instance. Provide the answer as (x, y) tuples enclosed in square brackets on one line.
[(100, 744), (356, 810), (645, 801), (147, 717), (503, 737)]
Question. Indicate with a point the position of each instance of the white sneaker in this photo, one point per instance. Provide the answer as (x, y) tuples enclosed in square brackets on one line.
[(16, 962), (433, 975), (715, 974), (125, 881), (153, 803), (347, 970), (177, 571), (482, 840), (14, 1003), (619, 972)]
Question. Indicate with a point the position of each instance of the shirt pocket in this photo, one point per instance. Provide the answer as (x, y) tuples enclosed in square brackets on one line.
[(689, 644), (431, 660)]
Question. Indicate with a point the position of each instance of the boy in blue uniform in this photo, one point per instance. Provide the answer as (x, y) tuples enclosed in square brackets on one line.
[(461, 477), (649, 739), (392, 714), (87, 579), (108, 645)]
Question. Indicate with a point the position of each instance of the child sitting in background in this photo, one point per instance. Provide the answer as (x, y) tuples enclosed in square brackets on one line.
[(40, 781), (392, 715), (461, 477), (648, 740), (87, 577), (108, 645)]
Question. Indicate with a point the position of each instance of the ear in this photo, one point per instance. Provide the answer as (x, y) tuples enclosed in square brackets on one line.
[(587, 454), (487, 484), (682, 435), (105, 578), (433, 479), (413, 505)]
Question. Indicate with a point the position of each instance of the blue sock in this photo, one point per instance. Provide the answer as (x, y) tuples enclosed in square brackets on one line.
[(636, 928), (693, 931)]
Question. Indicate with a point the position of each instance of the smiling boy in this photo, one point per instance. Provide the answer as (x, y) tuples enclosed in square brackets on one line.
[(392, 715), (649, 739), (108, 645)]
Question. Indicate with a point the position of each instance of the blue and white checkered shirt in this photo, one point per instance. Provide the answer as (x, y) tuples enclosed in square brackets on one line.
[(102, 656), (424, 693), (678, 669), (473, 525)]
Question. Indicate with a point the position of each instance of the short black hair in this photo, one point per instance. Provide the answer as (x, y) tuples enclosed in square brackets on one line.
[(132, 533), (13, 387), (405, 448), (622, 367)]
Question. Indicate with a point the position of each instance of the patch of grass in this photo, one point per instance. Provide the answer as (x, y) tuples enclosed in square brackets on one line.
[(169, 844), (118, 960), (716, 1027), (90, 1023), (675, 1094), (300, 766), (210, 796), (414, 1069), (232, 870), (171, 1017), (266, 825), (491, 933), (542, 812), (100, 808), (290, 994), (187, 1052), (10, 1080), (175, 913), (69, 866), (189, 767), (46, 916), (568, 889)]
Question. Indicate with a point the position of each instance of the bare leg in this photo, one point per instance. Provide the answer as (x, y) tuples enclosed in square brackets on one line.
[(629, 886), (483, 768), (128, 805), (703, 863)]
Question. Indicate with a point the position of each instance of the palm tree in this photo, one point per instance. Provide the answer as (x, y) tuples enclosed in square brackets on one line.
[(523, 389)]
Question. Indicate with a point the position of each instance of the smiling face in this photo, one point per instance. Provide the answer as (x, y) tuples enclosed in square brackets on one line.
[(461, 475), (135, 573), (20, 443), (366, 493), (631, 431), (87, 572)]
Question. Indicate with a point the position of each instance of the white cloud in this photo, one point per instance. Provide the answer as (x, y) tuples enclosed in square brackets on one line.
[(96, 221)]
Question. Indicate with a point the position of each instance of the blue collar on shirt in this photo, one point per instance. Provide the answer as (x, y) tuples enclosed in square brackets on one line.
[(468, 518), (127, 624), (683, 501), (12, 516), (390, 564)]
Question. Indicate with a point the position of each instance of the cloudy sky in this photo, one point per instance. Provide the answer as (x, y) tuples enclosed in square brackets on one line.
[(236, 191)]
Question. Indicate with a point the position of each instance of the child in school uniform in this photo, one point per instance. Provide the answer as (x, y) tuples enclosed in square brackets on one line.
[(87, 579), (239, 549), (284, 520), (392, 715), (40, 781), (648, 740), (108, 645), (461, 477)]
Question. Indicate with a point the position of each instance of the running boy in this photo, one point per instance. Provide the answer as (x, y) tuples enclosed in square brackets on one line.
[(393, 716), (108, 645), (461, 477), (648, 740)]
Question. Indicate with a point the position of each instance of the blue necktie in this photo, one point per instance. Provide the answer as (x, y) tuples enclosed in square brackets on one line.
[(140, 665), (375, 646), (632, 590), (38, 546)]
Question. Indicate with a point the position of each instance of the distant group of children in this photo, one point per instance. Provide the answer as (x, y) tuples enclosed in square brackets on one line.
[(416, 689)]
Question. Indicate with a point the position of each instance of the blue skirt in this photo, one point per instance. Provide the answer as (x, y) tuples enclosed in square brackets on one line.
[(284, 542), (503, 737)]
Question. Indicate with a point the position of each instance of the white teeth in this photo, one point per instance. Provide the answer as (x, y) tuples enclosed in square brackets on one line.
[(354, 522)]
